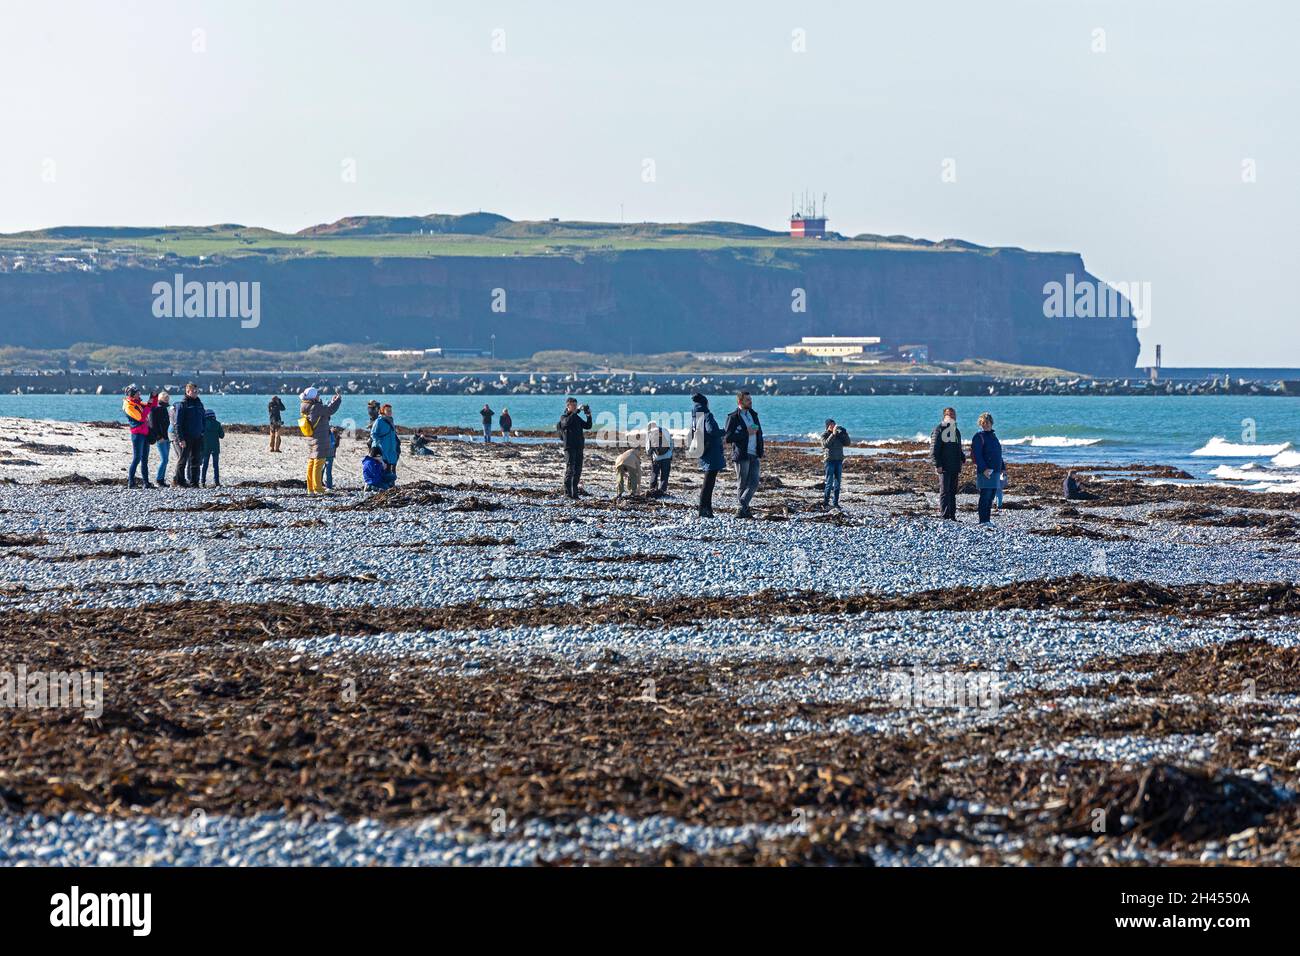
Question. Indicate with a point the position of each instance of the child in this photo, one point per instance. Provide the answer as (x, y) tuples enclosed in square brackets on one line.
[(374, 473), (336, 435), (213, 432)]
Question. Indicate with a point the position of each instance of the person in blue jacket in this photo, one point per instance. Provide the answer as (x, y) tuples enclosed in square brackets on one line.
[(706, 441), (383, 435), (187, 434), (374, 473), (987, 452)]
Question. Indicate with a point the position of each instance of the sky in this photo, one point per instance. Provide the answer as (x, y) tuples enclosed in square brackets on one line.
[(1158, 139)]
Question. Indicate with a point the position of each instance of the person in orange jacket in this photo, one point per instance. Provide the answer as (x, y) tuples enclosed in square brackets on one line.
[(137, 417)]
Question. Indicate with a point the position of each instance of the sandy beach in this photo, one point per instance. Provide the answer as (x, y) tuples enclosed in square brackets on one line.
[(471, 669)]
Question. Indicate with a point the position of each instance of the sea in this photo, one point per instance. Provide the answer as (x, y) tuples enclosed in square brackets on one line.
[(1247, 441)]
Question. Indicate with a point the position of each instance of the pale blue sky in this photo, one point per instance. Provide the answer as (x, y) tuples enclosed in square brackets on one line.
[(1132, 157)]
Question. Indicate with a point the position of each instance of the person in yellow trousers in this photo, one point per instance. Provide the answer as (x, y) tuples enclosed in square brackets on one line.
[(314, 423)]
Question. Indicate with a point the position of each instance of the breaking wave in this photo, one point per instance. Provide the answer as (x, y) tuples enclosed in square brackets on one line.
[(1220, 447)]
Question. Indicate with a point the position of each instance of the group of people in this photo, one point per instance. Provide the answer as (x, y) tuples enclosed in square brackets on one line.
[(505, 422), (383, 451), (197, 435), (193, 429)]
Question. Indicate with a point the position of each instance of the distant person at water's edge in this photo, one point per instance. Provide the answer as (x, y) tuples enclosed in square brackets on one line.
[(659, 446), (138, 417), (572, 427), (507, 423), (273, 409), (187, 432), (834, 438), (987, 452), (947, 455), (314, 424), (705, 443), (160, 426), (372, 412), (486, 414), (745, 436)]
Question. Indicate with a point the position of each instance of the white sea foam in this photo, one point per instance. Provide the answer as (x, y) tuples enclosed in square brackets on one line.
[(1220, 447), (1286, 459), (1251, 472)]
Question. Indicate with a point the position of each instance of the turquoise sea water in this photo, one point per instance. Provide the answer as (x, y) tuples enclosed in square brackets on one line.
[(1257, 432)]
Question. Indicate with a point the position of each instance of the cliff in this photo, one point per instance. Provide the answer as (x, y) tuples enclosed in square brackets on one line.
[(960, 300)]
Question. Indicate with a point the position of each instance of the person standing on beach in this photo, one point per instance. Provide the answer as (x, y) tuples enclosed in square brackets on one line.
[(745, 436), (372, 412), (659, 446), (160, 426), (486, 414), (706, 445), (506, 424), (213, 432), (947, 455), (573, 428), (187, 432), (336, 439), (833, 441), (314, 423), (273, 409), (987, 452), (383, 435), (138, 417)]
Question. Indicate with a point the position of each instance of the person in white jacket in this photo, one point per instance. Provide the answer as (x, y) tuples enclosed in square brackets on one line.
[(659, 446)]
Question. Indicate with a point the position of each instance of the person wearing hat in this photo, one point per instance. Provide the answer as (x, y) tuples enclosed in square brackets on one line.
[(573, 428), (372, 410), (187, 432), (138, 416), (213, 432), (834, 438), (315, 424)]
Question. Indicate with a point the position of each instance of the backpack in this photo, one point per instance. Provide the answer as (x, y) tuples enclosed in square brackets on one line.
[(695, 447), (305, 426)]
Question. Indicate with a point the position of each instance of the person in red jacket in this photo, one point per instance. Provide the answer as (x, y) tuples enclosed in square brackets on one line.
[(137, 417)]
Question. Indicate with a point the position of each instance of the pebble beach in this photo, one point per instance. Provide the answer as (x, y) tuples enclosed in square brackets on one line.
[(471, 669)]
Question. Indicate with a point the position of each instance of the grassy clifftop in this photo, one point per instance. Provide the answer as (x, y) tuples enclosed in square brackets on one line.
[(474, 234)]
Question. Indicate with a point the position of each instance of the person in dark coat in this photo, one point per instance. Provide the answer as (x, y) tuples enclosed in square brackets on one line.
[(213, 432), (274, 408), (706, 443), (573, 428), (1074, 491), (987, 452), (486, 414), (834, 438), (507, 423), (191, 422), (744, 434), (160, 426), (947, 455)]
